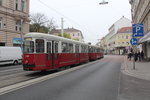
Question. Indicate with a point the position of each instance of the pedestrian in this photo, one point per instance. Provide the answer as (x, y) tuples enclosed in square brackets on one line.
[(129, 55), (142, 55), (135, 56), (139, 56)]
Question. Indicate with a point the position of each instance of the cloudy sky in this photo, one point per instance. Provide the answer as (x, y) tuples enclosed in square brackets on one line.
[(86, 15)]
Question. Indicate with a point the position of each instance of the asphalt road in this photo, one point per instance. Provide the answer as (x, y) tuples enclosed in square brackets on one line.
[(96, 81), (133, 88)]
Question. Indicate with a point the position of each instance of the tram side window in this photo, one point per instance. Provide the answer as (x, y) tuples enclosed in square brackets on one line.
[(77, 48), (89, 49), (39, 45), (98, 50), (56, 47), (64, 47), (48, 47), (70, 48), (92, 50), (86, 49), (83, 49), (28, 47)]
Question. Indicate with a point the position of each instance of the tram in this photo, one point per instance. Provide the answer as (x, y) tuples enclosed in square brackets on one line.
[(46, 52)]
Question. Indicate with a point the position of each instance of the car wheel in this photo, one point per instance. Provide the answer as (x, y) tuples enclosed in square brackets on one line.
[(15, 62)]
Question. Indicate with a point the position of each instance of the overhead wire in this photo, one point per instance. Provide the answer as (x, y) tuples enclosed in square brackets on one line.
[(48, 6)]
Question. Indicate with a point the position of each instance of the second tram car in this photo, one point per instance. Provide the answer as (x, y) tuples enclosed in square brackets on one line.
[(46, 52)]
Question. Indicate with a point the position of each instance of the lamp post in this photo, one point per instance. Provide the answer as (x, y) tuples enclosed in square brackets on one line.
[(103, 2), (21, 34), (62, 25)]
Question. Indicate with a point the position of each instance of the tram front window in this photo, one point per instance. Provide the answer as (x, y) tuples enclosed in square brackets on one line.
[(39, 45), (28, 47)]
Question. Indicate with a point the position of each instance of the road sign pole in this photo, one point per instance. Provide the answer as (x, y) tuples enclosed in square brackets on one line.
[(137, 31), (134, 47), (134, 63)]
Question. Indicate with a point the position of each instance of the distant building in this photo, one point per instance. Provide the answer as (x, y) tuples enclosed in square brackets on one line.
[(14, 20), (140, 10), (110, 37), (122, 40), (74, 33)]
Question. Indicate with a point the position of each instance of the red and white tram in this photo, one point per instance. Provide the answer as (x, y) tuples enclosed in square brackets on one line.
[(46, 52)]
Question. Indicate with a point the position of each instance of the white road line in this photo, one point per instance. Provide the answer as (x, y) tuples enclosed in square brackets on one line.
[(17, 86)]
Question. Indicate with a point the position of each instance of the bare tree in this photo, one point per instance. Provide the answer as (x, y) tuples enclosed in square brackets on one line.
[(40, 23), (51, 24)]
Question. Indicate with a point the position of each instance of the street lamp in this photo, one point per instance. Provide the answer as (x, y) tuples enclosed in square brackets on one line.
[(103, 2), (21, 34)]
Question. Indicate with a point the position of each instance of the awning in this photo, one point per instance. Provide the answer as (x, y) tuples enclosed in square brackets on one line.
[(146, 38)]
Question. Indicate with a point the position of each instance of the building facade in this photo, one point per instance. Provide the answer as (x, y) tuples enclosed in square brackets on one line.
[(110, 38), (14, 21), (122, 40), (74, 33), (140, 10)]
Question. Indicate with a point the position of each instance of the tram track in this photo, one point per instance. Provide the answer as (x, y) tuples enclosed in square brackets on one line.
[(16, 75)]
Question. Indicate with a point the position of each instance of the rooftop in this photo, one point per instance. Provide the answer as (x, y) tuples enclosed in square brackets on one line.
[(125, 30)]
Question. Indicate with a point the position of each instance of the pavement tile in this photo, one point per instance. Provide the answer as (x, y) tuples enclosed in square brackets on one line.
[(142, 69)]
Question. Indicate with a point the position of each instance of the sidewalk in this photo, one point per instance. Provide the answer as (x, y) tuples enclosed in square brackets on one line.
[(142, 69)]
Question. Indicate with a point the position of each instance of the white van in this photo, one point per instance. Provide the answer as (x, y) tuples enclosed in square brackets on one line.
[(10, 55)]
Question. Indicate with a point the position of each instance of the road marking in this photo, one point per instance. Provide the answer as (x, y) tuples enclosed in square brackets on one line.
[(17, 86)]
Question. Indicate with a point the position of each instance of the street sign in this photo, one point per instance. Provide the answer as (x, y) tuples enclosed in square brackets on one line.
[(134, 41), (137, 30)]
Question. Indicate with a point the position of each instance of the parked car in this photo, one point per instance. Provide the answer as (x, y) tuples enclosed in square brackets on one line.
[(10, 55)]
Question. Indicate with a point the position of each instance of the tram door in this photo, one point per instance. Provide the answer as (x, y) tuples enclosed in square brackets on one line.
[(49, 53), (55, 54)]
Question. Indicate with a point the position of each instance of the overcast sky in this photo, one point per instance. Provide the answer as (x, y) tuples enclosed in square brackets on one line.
[(86, 15)]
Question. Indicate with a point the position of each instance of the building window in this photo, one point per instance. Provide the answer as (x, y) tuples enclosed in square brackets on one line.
[(2, 44), (0, 2), (18, 26), (16, 4), (127, 43), (22, 5), (126, 37), (122, 37), (1, 23)]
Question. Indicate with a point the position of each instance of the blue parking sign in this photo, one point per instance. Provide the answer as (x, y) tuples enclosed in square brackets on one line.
[(137, 30), (134, 41)]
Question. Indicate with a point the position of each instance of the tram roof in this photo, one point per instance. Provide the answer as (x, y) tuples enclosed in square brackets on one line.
[(51, 37)]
